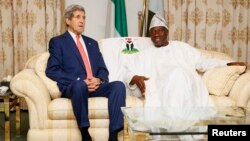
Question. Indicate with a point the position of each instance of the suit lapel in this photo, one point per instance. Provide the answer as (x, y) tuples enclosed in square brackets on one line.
[(73, 47)]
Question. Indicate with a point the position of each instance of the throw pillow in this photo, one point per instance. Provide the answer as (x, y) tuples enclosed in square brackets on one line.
[(40, 68), (220, 80)]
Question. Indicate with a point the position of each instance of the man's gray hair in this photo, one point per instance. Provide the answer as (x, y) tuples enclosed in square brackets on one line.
[(68, 14)]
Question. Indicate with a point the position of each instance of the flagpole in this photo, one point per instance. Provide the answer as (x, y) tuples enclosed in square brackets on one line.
[(146, 18), (139, 23), (143, 18)]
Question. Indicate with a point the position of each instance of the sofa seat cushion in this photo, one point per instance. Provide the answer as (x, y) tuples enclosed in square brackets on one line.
[(61, 108), (132, 101), (221, 101)]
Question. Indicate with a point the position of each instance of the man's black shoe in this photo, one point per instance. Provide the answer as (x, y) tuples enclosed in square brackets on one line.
[(113, 136), (85, 134)]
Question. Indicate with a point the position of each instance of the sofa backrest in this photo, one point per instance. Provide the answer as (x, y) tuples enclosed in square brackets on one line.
[(40, 68), (116, 51), (216, 54), (30, 64), (39, 64)]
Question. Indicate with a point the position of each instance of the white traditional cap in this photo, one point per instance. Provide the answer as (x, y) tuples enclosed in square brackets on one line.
[(158, 20)]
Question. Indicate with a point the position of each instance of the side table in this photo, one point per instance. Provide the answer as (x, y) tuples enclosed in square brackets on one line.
[(10, 101)]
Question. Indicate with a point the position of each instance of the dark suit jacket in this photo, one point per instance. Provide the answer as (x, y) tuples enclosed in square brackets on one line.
[(65, 64)]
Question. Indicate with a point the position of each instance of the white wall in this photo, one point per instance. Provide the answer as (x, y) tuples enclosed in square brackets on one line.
[(96, 12)]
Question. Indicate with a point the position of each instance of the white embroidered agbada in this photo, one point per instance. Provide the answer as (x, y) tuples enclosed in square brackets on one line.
[(174, 85), (173, 80)]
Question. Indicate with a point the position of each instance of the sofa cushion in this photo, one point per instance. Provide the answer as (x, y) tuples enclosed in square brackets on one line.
[(222, 101), (132, 101), (31, 63), (219, 81), (40, 67), (61, 108)]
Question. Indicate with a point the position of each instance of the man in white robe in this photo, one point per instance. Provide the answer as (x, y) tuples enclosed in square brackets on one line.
[(166, 72), (166, 75)]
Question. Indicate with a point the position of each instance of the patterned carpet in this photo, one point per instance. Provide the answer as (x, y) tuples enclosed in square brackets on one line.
[(24, 126)]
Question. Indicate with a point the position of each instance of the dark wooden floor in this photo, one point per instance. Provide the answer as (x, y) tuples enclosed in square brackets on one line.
[(24, 126)]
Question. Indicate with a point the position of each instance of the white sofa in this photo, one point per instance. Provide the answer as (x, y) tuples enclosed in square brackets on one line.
[(51, 118)]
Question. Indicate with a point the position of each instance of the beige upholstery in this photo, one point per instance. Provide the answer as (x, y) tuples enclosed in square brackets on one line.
[(224, 77), (51, 118)]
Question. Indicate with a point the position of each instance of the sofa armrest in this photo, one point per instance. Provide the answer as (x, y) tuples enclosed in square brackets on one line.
[(240, 91), (28, 85)]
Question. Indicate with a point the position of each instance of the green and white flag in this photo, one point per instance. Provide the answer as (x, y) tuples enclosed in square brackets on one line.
[(116, 25), (155, 6)]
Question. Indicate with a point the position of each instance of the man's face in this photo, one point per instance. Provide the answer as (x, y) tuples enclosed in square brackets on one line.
[(77, 23), (159, 36)]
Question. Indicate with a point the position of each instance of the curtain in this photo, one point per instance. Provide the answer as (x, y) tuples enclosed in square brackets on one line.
[(219, 25), (26, 27)]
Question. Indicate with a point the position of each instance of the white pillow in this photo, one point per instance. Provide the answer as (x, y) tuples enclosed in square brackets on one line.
[(219, 81), (40, 68)]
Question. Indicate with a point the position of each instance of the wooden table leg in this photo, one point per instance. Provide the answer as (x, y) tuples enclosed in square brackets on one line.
[(125, 131), (7, 118), (128, 135), (18, 119)]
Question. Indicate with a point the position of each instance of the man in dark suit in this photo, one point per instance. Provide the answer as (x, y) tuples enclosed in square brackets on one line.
[(77, 65)]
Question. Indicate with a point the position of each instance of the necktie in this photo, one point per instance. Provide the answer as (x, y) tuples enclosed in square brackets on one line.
[(84, 57)]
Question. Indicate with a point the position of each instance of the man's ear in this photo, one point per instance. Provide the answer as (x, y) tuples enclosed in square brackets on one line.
[(67, 21)]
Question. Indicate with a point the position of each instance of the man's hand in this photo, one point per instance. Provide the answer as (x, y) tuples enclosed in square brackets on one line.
[(237, 64), (93, 84), (139, 81)]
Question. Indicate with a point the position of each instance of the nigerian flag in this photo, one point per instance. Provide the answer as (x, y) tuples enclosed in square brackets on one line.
[(155, 6), (116, 25)]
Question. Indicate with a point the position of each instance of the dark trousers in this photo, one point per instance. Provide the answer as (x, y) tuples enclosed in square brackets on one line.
[(114, 91)]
